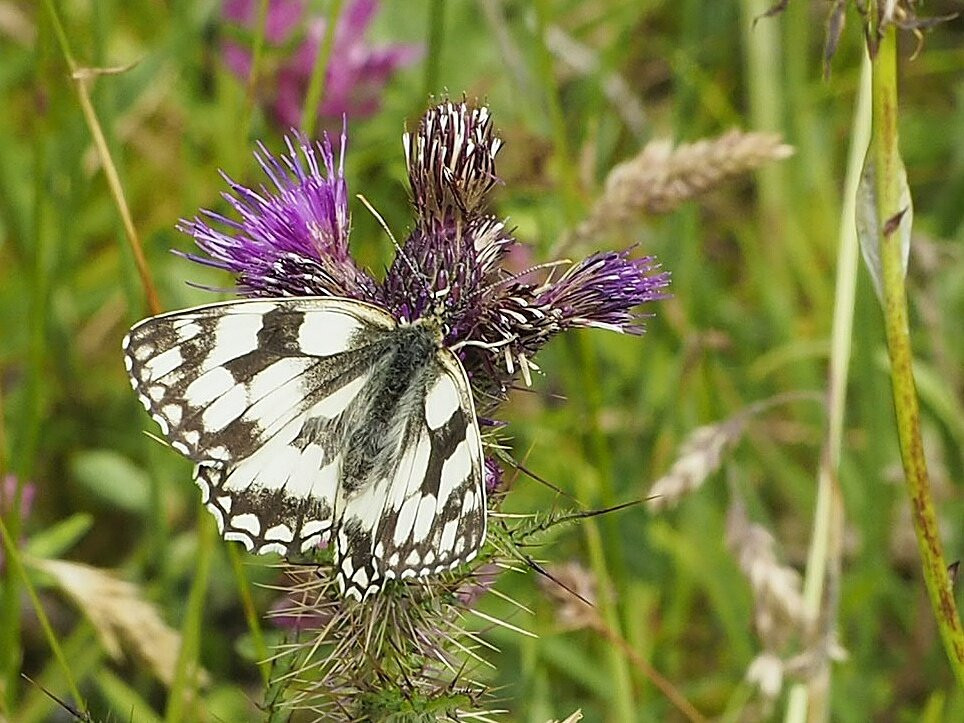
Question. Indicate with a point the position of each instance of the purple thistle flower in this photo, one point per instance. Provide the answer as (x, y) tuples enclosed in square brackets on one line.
[(492, 475), (292, 240), (356, 72)]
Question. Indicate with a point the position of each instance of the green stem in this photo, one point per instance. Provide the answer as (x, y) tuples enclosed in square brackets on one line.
[(436, 33), (316, 86), (825, 548), (567, 169), (81, 78), (250, 613), (884, 147), (581, 357), (183, 689), (257, 51), (16, 565), (31, 424)]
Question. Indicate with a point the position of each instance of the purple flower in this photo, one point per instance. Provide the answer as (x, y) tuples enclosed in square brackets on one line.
[(8, 496), (356, 72), (292, 240)]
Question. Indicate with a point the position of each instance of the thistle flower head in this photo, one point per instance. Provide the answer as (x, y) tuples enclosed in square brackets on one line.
[(356, 74), (291, 238)]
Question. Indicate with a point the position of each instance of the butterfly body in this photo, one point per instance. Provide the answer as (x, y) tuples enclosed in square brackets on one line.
[(321, 420)]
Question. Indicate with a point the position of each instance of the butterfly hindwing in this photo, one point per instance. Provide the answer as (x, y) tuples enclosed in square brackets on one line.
[(429, 516)]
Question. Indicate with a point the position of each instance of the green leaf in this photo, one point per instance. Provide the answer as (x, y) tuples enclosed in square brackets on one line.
[(124, 700), (56, 540), (113, 478)]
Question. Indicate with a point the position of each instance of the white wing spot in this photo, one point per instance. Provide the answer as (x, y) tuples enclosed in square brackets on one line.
[(279, 532), (247, 522), (441, 402), (173, 413), (326, 333), (426, 515), (277, 375), (304, 475), (218, 517), (218, 453), (208, 387), (187, 330), (236, 334), (225, 501), (336, 403), (162, 423), (312, 528), (143, 352), (405, 520), (454, 471), (203, 484), (225, 409), (360, 578), (448, 536), (240, 537), (164, 363)]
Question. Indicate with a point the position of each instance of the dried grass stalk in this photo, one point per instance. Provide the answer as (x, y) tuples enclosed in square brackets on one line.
[(779, 609), (662, 177), (123, 619), (700, 456)]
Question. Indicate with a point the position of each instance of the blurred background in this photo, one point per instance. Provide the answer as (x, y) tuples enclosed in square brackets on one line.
[(706, 588)]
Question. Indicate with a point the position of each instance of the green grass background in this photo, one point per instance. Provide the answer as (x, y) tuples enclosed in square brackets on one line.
[(753, 268)]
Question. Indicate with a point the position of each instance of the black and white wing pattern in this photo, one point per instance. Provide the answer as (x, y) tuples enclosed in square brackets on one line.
[(316, 420), (429, 513)]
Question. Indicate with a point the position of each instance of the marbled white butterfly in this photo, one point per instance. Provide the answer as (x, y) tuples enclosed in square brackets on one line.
[(321, 420)]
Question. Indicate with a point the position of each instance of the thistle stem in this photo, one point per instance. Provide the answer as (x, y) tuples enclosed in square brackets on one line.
[(884, 147)]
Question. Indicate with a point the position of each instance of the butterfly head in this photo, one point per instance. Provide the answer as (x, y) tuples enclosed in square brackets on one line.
[(434, 323)]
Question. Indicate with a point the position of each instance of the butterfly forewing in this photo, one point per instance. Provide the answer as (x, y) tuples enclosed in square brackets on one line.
[(265, 397)]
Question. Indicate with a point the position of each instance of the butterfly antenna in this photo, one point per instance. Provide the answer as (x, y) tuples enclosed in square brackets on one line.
[(398, 248)]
